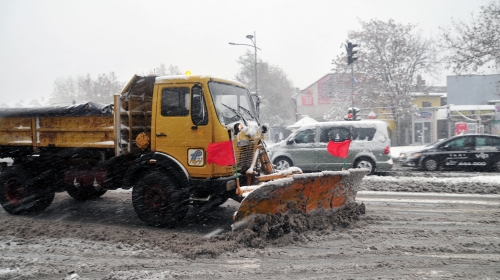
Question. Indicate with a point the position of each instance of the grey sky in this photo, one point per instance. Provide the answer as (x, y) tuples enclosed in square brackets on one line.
[(41, 41)]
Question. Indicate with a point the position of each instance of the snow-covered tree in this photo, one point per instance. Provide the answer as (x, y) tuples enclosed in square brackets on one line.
[(275, 89), (391, 57), (474, 45), (162, 70), (102, 89)]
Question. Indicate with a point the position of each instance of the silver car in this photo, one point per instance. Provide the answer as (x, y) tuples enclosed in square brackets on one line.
[(306, 147)]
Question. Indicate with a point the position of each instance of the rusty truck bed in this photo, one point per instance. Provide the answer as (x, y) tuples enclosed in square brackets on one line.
[(86, 125)]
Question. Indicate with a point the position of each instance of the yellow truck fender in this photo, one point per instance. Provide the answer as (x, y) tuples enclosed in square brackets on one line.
[(153, 162)]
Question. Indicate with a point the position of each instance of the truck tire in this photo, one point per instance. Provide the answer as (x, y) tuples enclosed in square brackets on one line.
[(85, 189), (159, 200), (19, 194), (365, 162)]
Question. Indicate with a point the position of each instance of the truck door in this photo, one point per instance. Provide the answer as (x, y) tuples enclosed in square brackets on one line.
[(181, 127)]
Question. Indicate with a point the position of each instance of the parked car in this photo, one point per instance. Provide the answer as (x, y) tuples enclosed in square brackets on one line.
[(462, 151), (306, 147)]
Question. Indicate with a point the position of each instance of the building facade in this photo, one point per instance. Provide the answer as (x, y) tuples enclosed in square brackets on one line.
[(469, 99), (474, 100)]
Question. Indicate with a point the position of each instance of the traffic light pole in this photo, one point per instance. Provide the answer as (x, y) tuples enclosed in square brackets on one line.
[(351, 57), (352, 93)]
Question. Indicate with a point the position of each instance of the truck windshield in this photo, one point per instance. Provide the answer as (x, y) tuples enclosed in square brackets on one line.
[(232, 103)]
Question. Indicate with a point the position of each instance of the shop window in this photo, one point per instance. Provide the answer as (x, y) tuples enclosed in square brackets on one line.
[(426, 104)]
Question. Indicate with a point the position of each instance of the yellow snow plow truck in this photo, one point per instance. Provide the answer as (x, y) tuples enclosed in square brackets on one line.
[(175, 141)]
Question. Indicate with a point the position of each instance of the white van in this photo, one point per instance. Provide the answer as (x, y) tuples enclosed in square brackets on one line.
[(306, 147)]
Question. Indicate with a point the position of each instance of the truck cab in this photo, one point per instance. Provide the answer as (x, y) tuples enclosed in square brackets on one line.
[(181, 115)]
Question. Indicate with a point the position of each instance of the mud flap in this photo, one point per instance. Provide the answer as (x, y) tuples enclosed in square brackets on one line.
[(306, 192)]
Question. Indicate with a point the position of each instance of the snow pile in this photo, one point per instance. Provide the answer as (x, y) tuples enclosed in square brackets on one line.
[(458, 182), (282, 229), (251, 129)]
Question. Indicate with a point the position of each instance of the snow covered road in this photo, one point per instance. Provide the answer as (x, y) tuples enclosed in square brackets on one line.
[(447, 234)]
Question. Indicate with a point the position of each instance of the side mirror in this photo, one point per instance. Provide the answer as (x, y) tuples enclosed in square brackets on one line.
[(199, 115), (290, 141)]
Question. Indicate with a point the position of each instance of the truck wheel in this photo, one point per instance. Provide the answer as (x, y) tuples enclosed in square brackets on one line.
[(84, 189), (84, 193), (19, 194), (431, 164), (159, 200), (282, 163), (365, 163)]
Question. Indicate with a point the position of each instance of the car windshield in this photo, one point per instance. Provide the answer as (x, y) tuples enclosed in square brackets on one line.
[(435, 143), (232, 103)]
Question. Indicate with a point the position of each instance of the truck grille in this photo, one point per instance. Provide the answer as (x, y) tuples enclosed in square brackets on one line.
[(244, 155)]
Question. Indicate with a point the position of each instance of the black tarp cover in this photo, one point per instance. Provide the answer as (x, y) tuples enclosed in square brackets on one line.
[(75, 110)]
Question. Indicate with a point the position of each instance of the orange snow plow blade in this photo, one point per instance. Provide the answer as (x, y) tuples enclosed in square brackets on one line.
[(306, 192)]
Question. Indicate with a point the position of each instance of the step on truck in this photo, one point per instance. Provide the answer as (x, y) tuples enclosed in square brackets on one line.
[(175, 141)]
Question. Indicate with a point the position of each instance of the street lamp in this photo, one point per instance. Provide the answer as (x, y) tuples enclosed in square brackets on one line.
[(254, 45)]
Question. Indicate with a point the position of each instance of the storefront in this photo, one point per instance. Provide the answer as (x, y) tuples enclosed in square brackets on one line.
[(471, 119), (424, 126)]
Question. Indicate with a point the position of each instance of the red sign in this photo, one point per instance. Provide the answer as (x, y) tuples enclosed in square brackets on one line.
[(461, 128), (307, 99)]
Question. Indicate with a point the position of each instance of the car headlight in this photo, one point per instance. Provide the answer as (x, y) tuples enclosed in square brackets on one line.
[(416, 155)]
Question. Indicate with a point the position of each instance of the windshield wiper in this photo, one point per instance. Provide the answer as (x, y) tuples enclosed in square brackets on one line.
[(249, 113), (236, 113)]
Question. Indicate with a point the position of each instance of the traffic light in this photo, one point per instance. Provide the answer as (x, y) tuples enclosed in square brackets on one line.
[(351, 54), (352, 115)]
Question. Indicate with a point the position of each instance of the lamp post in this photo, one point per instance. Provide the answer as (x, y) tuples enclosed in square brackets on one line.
[(254, 45)]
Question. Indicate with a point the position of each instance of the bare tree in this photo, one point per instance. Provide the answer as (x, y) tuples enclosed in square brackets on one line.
[(475, 44), (275, 89), (391, 57)]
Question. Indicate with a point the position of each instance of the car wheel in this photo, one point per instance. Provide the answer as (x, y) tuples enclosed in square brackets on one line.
[(282, 163), (431, 164), (365, 163)]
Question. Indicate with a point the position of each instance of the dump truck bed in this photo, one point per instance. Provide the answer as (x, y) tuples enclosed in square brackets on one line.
[(85, 125)]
